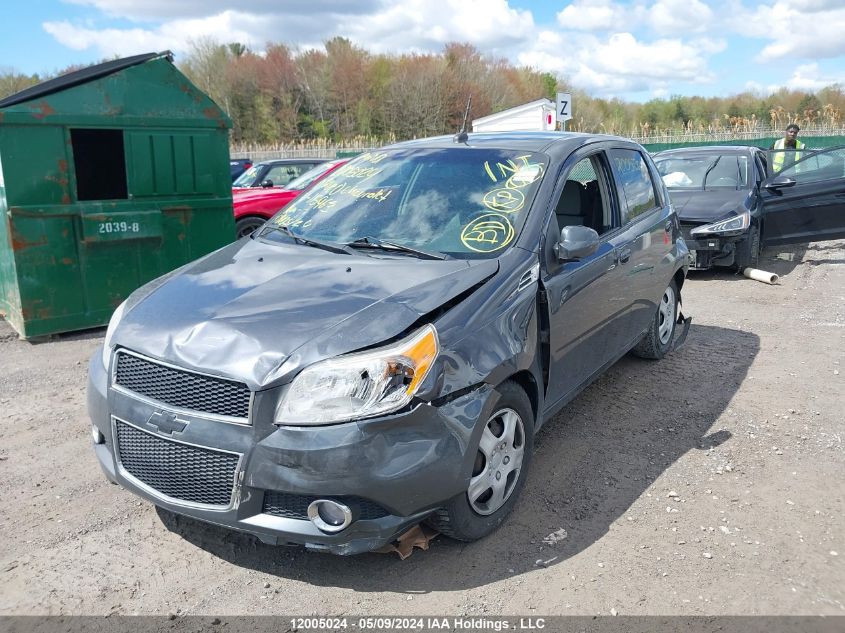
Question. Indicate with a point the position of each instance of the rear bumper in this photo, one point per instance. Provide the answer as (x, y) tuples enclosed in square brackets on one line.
[(391, 471)]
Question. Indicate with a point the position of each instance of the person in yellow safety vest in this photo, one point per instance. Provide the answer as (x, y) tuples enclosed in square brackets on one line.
[(790, 142)]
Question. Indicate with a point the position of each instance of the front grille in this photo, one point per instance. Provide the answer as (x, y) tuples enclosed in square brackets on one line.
[(179, 471), (291, 506), (180, 388)]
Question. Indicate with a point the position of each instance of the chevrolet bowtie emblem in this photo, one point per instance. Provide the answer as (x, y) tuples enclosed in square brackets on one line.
[(167, 422)]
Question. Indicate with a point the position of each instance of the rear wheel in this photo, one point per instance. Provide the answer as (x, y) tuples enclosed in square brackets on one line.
[(658, 338), (245, 226), (499, 471)]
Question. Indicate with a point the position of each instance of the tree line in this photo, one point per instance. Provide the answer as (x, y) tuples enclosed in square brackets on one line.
[(345, 93)]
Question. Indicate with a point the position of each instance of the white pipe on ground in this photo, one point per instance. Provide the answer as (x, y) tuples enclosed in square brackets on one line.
[(761, 275)]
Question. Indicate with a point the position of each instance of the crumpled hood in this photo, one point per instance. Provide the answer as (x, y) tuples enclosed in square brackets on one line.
[(707, 206), (244, 310)]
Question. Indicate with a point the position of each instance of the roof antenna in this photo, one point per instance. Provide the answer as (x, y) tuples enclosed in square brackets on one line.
[(462, 136)]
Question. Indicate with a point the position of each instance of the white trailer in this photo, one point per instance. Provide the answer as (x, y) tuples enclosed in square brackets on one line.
[(536, 116)]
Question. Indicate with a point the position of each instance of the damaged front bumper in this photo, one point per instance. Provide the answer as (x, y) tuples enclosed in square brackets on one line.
[(717, 250), (255, 477)]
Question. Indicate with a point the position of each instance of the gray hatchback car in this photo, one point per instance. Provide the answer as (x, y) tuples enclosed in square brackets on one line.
[(383, 351)]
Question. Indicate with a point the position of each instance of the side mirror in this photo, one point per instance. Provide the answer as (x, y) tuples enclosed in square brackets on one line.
[(576, 242), (781, 182)]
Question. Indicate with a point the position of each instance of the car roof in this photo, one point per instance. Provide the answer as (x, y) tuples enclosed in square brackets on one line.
[(710, 149), (553, 143), (291, 161)]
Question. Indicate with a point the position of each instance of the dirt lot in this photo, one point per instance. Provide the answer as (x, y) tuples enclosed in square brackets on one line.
[(709, 483)]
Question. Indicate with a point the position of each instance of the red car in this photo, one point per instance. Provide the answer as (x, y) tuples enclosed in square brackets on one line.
[(253, 207)]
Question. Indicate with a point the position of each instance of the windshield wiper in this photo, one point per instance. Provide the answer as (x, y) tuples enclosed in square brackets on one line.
[(376, 243), (332, 247)]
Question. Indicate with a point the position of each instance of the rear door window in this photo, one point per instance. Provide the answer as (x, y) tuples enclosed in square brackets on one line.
[(637, 193)]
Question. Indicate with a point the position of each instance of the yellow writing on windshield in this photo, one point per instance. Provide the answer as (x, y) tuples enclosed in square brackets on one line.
[(288, 217), (504, 170), (525, 175), (373, 157), (379, 195), (321, 203), (487, 233), (504, 200), (352, 171)]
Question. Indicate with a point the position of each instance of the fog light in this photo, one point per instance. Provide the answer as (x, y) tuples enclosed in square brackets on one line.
[(329, 516), (98, 437)]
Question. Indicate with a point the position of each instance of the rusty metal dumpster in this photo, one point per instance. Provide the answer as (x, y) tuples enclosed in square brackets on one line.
[(109, 177)]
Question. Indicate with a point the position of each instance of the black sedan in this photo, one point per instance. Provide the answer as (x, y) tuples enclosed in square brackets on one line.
[(730, 206)]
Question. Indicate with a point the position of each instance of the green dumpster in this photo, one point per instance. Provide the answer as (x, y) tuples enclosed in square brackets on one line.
[(109, 177)]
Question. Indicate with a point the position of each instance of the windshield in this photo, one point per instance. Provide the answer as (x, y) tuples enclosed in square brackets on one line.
[(466, 203), (302, 181), (247, 178), (703, 171)]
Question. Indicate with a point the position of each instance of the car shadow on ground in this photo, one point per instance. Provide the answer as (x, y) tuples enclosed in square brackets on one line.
[(592, 462)]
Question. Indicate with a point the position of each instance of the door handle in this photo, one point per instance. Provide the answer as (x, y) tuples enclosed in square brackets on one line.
[(623, 255)]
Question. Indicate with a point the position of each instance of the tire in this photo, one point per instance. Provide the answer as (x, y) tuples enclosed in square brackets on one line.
[(508, 437), (658, 338), (748, 252), (246, 225)]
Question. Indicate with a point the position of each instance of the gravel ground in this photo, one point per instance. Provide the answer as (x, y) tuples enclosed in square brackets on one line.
[(708, 483)]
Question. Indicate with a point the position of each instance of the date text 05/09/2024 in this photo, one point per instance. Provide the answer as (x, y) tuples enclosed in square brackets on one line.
[(417, 623)]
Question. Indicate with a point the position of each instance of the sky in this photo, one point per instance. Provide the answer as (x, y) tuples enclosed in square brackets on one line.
[(634, 50)]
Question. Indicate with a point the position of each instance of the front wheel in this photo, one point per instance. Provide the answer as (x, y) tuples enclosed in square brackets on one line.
[(499, 471), (748, 250), (658, 338)]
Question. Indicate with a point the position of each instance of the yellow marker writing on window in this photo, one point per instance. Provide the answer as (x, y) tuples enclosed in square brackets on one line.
[(487, 233), (504, 200)]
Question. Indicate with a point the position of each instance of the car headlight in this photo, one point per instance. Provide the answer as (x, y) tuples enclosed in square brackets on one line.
[(360, 385), (113, 322), (730, 226)]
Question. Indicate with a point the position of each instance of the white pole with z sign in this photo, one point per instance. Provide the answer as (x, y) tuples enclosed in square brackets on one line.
[(564, 107)]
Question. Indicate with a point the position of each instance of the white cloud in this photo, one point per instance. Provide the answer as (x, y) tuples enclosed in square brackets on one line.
[(425, 25), (155, 10), (673, 17), (665, 17), (808, 78), (756, 88), (175, 35), (412, 25), (807, 29), (621, 63), (814, 5), (594, 15)]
